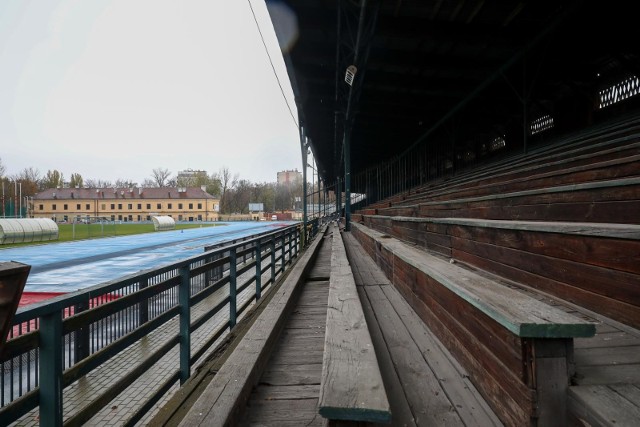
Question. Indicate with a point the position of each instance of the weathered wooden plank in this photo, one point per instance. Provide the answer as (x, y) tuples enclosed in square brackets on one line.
[(400, 409), (427, 399), (607, 374), (225, 396), (602, 406), (351, 386), (615, 309), (613, 284), (631, 392), (284, 413), (608, 356), (292, 374), (298, 356), (469, 404), (608, 339), (368, 272), (287, 392)]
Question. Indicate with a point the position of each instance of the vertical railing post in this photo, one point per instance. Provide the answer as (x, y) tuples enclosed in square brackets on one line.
[(258, 257), (143, 309), (282, 247), (273, 259), (290, 246), (82, 335), (185, 323), (51, 370), (232, 288)]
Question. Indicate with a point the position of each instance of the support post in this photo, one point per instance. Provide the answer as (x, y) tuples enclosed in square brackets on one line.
[(185, 323), (258, 270), (51, 370), (143, 307), (282, 247), (82, 335), (273, 259), (233, 282), (304, 145), (347, 179)]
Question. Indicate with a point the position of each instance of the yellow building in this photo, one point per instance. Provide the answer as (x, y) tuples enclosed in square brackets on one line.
[(125, 204)]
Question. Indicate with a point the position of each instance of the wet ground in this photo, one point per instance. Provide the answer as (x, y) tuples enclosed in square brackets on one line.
[(68, 266)]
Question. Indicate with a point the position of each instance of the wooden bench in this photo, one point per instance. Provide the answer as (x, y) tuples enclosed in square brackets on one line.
[(518, 351), (613, 148), (592, 265), (351, 385), (226, 395)]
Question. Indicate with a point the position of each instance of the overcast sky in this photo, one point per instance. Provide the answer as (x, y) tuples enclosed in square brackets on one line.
[(113, 89)]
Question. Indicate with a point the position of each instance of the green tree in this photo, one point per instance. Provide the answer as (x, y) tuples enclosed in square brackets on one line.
[(52, 179), (76, 181)]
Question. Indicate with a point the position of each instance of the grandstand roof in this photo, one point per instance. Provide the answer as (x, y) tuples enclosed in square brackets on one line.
[(449, 72)]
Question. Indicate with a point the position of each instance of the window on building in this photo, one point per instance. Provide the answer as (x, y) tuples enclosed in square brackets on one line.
[(139, 206), (199, 205), (53, 207), (120, 207), (65, 207), (169, 206), (130, 217), (159, 205), (113, 206), (179, 205), (78, 207), (119, 217), (148, 205), (41, 207), (87, 207), (199, 217), (148, 217), (130, 206), (103, 206), (190, 205)]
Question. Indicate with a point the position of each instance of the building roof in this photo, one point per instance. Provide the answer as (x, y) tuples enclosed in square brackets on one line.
[(123, 193)]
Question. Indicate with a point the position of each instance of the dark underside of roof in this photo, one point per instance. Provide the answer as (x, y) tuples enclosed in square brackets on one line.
[(448, 73)]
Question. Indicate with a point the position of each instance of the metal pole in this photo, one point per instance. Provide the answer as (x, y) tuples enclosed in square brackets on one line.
[(51, 370), (304, 144), (347, 179), (185, 324), (233, 311)]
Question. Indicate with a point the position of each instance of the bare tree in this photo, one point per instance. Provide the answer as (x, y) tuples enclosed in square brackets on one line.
[(98, 183), (160, 176), (124, 183), (3, 169), (227, 182)]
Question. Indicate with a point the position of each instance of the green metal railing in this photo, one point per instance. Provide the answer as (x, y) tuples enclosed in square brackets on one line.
[(55, 343)]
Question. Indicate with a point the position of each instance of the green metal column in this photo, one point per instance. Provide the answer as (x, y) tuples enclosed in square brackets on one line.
[(258, 270), (233, 310), (185, 324), (51, 370)]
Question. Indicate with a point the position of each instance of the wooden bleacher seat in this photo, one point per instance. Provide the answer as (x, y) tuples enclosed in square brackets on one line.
[(351, 386), (518, 350)]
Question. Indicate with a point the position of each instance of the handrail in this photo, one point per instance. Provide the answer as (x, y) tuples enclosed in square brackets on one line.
[(55, 342)]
